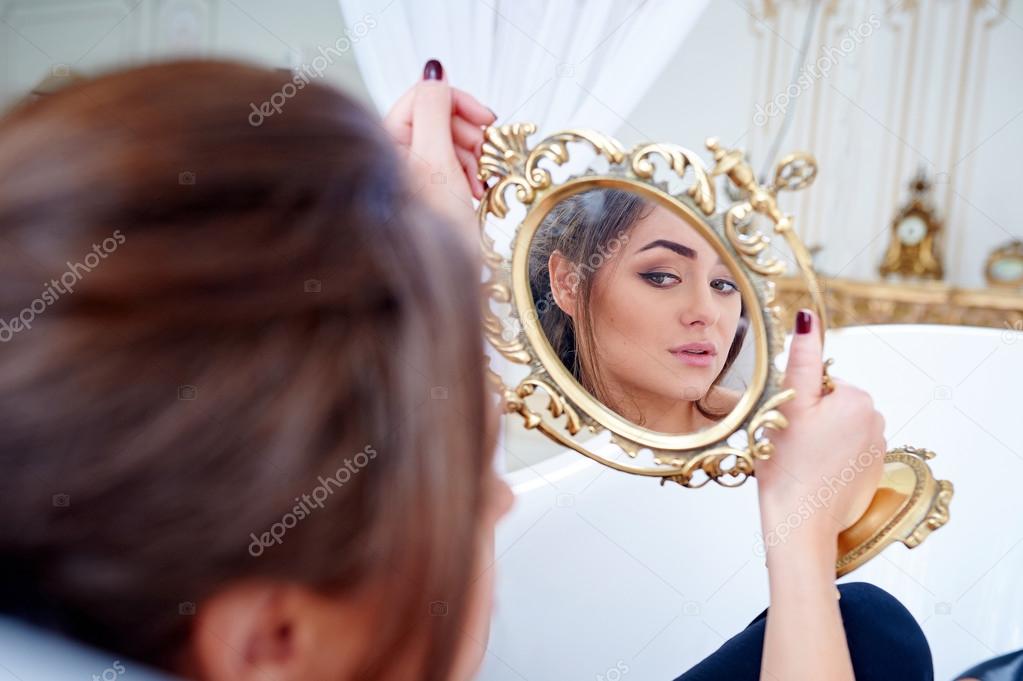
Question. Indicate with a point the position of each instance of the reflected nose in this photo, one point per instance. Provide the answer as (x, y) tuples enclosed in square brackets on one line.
[(698, 307)]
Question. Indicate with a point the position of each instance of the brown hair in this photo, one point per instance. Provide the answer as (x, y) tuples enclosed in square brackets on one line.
[(252, 307), (588, 228)]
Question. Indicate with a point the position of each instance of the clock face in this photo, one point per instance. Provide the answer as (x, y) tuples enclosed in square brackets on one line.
[(912, 230)]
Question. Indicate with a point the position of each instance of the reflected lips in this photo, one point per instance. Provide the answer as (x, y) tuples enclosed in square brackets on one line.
[(695, 354)]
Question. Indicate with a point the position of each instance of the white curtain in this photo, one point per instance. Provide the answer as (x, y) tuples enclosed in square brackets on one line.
[(556, 63)]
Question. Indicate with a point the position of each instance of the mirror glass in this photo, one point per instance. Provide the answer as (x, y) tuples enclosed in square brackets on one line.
[(641, 309)]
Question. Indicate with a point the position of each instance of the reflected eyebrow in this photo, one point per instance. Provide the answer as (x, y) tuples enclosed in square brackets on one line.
[(684, 251), (681, 249)]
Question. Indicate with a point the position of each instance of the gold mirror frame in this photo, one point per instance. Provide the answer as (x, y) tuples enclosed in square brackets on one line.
[(508, 158), (910, 503)]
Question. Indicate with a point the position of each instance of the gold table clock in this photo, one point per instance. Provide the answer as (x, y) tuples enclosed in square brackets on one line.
[(914, 246)]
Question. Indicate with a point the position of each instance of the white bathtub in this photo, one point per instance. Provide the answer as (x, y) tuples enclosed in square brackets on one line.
[(606, 575)]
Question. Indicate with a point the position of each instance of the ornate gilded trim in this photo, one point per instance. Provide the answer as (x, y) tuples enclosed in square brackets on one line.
[(852, 302), (510, 162)]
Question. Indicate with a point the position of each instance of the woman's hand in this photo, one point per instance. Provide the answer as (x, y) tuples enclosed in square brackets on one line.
[(440, 129), (828, 461), (825, 469)]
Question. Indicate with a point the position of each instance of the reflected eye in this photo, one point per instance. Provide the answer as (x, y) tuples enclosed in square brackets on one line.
[(724, 286), (661, 279)]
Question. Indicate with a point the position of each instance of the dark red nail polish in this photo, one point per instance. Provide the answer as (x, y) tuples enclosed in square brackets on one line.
[(803, 321), (433, 70)]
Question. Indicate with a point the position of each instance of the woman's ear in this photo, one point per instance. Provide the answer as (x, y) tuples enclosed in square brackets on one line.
[(565, 282), (272, 630)]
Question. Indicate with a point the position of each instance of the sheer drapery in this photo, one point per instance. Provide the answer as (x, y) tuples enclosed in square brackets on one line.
[(562, 63)]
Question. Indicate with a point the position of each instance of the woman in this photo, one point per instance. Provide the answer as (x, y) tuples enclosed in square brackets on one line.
[(639, 307), (249, 437)]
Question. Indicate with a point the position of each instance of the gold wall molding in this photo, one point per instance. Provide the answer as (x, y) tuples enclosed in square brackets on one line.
[(851, 302)]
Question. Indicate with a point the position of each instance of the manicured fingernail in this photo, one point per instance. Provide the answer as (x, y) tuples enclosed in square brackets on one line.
[(433, 70), (492, 113), (804, 320)]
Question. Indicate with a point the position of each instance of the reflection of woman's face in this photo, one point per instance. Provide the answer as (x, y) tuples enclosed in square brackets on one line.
[(664, 312)]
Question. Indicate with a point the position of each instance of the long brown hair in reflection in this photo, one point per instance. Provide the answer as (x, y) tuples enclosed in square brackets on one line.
[(272, 303), (588, 228)]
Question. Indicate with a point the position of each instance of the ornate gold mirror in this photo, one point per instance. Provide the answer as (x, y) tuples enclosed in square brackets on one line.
[(591, 250)]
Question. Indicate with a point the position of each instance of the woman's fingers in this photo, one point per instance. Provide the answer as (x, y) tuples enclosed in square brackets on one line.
[(805, 366), (431, 122), (471, 167), (431, 106), (464, 133), (470, 108), (463, 105), (467, 135), (441, 127), (398, 121)]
